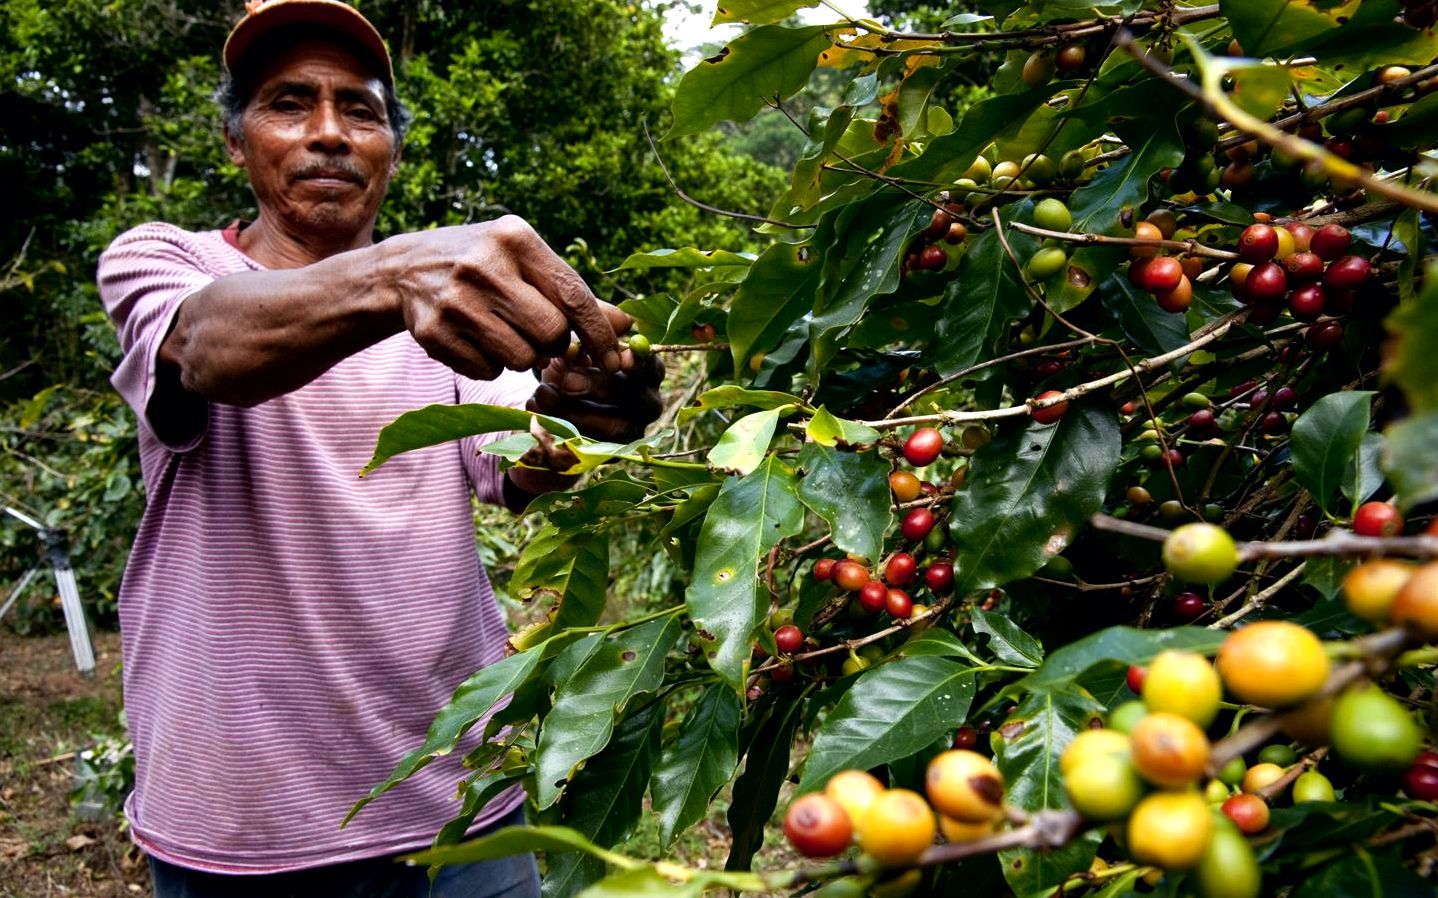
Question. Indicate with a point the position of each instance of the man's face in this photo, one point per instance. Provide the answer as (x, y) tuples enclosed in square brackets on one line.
[(316, 142)]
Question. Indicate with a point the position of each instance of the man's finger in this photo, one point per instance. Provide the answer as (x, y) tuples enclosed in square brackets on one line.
[(563, 287)]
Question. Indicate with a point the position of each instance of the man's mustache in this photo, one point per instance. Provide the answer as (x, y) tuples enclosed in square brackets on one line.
[(345, 170)]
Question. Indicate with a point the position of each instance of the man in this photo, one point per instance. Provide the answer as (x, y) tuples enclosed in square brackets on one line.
[(288, 629)]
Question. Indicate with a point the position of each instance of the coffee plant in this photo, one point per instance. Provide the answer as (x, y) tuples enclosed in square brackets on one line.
[(1056, 517)]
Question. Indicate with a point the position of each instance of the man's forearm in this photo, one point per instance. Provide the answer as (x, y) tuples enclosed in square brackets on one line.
[(256, 335)]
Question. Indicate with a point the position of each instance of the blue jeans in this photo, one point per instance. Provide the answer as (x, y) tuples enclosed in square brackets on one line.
[(510, 877)]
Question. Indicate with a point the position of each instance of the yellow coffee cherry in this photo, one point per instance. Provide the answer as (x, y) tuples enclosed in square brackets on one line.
[(1170, 830), (1183, 683), (897, 828), (1274, 664), (966, 786)]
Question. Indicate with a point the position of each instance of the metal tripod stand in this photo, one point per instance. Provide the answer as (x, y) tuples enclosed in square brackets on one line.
[(57, 554)]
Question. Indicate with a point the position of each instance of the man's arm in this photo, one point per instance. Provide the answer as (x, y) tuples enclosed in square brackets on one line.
[(478, 298)]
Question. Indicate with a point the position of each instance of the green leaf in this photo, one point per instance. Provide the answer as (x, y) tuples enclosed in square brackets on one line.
[(470, 702), (572, 568), (645, 881), (1326, 574), (733, 396), (651, 314), (510, 841), (1412, 360), (1325, 442), (1028, 493), (1271, 27), (849, 490), (756, 791), (938, 641), (478, 791), (1361, 873), (1349, 34), (687, 257), (870, 237), (607, 798), (1027, 749), (827, 430), (1150, 328), (587, 703), (694, 766), (1409, 460), (742, 446), (1156, 145), (778, 291), (946, 158), (436, 424), (1007, 641), (891, 711), (748, 517), (1364, 476), (1116, 646), (980, 304), (758, 12), (766, 63)]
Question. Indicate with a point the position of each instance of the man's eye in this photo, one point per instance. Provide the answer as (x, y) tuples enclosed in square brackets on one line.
[(363, 113), (287, 105)]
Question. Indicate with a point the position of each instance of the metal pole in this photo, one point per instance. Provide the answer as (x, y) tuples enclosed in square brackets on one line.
[(19, 588), (70, 600)]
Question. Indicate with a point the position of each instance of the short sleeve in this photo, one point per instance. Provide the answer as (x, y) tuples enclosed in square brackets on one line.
[(510, 388), (144, 276)]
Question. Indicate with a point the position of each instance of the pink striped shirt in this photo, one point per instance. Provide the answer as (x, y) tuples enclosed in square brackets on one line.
[(288, 629)]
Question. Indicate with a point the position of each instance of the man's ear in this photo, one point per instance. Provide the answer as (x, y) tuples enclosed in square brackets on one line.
[(394, 163), (235, 147)]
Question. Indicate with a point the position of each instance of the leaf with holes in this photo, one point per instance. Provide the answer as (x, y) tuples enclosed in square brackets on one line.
[(749, 515)]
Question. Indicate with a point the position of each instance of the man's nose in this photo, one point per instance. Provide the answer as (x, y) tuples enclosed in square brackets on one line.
[(327, 129)]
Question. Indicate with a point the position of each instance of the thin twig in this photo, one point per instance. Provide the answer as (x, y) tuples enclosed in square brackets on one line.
[(742, 216)]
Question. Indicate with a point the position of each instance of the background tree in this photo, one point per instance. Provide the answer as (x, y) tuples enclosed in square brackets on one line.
[(531, 108)]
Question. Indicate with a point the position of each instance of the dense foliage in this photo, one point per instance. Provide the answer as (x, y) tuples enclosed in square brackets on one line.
[(1029, 410), (109, 121)]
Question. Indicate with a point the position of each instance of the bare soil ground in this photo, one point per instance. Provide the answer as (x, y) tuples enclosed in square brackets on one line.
[(48, 711)]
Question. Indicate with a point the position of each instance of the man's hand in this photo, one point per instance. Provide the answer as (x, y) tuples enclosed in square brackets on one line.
[(612, 407), (482, 298)]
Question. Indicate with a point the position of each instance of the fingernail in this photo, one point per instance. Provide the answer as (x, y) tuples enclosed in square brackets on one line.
[(574, 382), (612, 362)]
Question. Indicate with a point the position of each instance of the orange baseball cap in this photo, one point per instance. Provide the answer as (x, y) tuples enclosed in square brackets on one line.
[(262, 17)]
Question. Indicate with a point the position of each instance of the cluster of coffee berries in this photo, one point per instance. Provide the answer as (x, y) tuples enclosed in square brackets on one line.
[(1306, 271), (926, 252), (1168, 278), (896, 826), (1033, 170), (1068, 59)]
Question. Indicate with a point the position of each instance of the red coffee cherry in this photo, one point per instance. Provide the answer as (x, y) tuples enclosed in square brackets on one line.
[(850, 575), (872, 596), (1267, 283), (1377, 519), (1050, 414), (1303, 268), (1330, 241), (917, 524), (923, 446), (824, 568), (1306, 303), (901, 569), (940, 577), (898, 604), (1257, 243), (1347, 273), (788, 638)]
